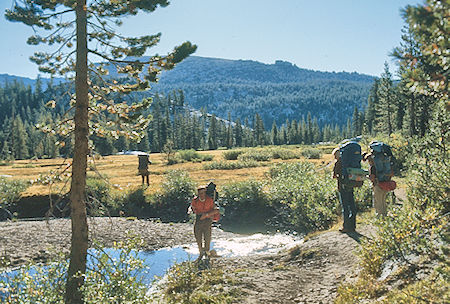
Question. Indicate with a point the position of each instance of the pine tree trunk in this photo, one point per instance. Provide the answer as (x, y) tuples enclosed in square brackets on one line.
[(79, 242)]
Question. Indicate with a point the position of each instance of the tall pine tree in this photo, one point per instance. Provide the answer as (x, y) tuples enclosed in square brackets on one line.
[(94, 21)]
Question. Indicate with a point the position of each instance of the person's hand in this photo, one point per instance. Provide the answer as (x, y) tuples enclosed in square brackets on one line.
[(204, 216)]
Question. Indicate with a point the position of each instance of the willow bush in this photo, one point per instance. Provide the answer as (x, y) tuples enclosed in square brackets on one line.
[(232, 165), (245, 204), (304, 198), (10, 193), (171, 202), (295, 196)]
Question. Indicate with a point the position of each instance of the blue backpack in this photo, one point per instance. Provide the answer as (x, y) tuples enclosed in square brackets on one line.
[(382, 157), (350, 156)]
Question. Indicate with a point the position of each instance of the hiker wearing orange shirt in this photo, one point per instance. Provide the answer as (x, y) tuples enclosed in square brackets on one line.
[(205, 213)]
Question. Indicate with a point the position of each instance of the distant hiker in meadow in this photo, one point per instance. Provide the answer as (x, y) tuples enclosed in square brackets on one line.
[(347, 170), (205, 213), (380, 161), (144, 161)]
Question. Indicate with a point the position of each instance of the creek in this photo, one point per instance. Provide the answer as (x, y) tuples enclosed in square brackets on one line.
[(159, 261)]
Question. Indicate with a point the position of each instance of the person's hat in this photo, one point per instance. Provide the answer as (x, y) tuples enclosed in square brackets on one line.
[(201, 188)]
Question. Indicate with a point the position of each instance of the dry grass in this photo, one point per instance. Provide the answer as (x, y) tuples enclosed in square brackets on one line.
[(121, 170)]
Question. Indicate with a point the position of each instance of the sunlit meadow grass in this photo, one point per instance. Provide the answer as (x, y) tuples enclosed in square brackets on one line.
[(121, 170)]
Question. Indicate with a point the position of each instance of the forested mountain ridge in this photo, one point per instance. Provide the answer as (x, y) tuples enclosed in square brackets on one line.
[(6, 78), (276, 91), (201, 69)]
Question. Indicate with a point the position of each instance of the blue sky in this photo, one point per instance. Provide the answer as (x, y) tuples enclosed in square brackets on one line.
[(324, 35)]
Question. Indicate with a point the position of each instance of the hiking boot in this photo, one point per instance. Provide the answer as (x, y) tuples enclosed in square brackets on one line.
[(201, 255)]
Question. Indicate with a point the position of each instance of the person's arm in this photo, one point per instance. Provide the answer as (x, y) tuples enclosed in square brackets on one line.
[(373, 174), (337, 169), (193, 205), (210, 214), (212, 210)]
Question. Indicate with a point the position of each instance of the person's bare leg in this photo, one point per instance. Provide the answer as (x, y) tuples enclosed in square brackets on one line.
[(207, 239), (198, 238)]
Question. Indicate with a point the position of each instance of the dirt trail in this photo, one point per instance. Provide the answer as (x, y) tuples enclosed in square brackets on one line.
[(310, 273)]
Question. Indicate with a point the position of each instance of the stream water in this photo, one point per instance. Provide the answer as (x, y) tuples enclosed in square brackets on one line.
[(159, 261)]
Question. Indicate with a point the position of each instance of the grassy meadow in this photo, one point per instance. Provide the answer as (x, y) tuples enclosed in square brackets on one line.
[(121, 170)]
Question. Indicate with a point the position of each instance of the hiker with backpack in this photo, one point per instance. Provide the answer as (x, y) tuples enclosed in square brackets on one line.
[(347, 170), (206, 212), (144, 161), (380, 161)]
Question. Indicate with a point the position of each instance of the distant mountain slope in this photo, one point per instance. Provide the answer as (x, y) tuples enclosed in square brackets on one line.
[(277, 91), (201, 69), (6, 78)]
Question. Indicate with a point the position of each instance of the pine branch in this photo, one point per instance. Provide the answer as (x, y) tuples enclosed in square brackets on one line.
[(137, 62), (57, 14)]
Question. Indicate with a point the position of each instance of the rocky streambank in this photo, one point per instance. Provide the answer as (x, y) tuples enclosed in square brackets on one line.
[(39, 240), (307, 273)]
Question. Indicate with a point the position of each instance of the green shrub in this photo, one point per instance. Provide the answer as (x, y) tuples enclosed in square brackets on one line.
[(117, 279), (363, 196), (430, 290), (312, 153), (232, 154), (305, 199), (207, 157), (185, 285), (172, 202), (107, 280), (99, 198), (231, 165), (284, 154), (193, 156), (173, 160), (135, 203), (10, 193), (246, 205), (189, 155), (256, 155)]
